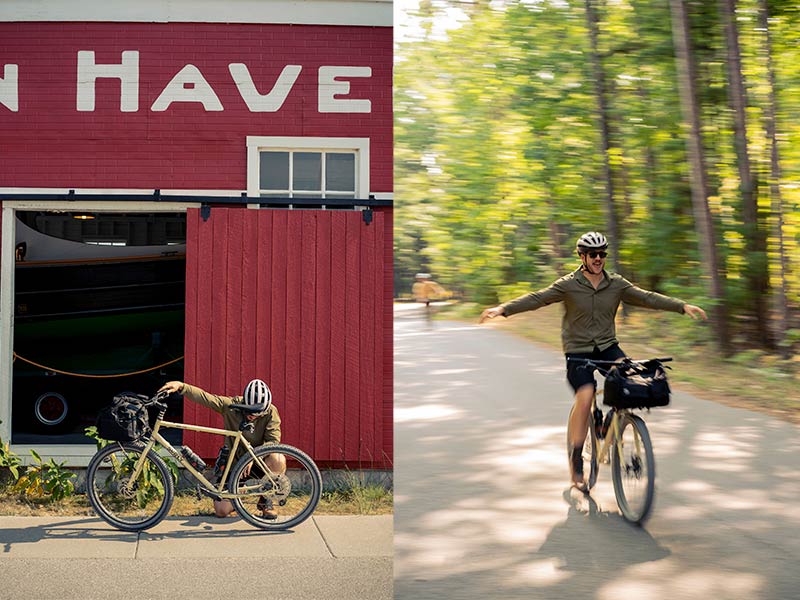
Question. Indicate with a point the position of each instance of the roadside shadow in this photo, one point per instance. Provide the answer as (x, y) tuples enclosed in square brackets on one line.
[(95, 529), (212, 526), (595, 542), (78, 529)]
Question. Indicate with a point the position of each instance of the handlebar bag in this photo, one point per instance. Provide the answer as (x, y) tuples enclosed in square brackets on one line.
[(636, 385), (125, 420)]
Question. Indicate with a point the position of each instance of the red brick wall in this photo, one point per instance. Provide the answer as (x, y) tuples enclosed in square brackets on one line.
[(49, 143)]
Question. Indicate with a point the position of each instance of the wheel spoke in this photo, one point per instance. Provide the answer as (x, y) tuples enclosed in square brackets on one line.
[(127, 492), (276, 500), (633, 470)]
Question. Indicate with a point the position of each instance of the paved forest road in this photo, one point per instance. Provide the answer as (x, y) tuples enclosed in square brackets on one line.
[(482, 508)]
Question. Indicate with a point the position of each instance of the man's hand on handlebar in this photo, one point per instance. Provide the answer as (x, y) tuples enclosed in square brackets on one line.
[(171, 387)]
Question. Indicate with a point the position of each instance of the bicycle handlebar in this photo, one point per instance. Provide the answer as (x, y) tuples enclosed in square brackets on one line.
[(156, 400), (617, 362), (605, 366)]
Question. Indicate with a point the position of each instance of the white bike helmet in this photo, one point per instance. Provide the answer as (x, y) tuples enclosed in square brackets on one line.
[(593, 240), (257, 393)]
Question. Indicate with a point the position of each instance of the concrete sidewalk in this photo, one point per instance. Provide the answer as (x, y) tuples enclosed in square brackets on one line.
[(324, 536), (197, 558)]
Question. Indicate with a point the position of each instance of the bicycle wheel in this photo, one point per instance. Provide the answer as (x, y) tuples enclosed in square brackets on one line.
[(589, 452), (127, 504), (633, 469), (293, 495)]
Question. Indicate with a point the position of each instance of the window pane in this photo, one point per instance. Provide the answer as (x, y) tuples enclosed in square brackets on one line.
[(274, 171), (307, 171), (307, 195), (340, 172)]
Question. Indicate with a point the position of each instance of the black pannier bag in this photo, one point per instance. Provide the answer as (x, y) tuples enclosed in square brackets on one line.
[(125, 420), (636, 385)]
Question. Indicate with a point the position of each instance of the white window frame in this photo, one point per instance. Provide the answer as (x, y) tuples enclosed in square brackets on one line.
[(258, 144)]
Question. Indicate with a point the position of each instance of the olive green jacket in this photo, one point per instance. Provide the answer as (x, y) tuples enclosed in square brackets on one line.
[(266, 430), (589, 313)]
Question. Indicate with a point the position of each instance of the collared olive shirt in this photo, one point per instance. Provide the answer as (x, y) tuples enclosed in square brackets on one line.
[(266, 430), (589, 313)]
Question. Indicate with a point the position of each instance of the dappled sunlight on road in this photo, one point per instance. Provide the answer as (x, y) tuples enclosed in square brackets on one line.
[(719, 450), (704, 499), (542, 573), (669, 579), (529, 461), (428, 412)]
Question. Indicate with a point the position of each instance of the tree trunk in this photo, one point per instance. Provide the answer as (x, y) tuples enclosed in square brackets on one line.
[(603, 117), (756, 273), (782, 322), (698, 176)]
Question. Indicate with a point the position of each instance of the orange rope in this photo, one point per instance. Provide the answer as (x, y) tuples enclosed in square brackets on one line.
[(30, 362)]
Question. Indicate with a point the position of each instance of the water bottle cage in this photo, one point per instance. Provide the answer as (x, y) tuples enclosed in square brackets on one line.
[(193, 459)]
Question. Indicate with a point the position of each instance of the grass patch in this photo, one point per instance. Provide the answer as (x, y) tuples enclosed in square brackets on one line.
[(362, 499), (749, 379), (357, 492)]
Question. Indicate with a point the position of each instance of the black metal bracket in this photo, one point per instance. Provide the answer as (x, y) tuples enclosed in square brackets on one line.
[(366, 214), (205, 212)]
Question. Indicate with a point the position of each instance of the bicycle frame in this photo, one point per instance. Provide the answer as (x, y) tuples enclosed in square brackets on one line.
[(612, 435), (157, 438)]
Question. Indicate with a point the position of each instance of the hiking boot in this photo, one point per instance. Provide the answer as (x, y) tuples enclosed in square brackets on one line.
[(267, 509)]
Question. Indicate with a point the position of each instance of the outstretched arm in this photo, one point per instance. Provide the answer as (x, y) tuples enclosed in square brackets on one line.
[(530, 301), (195, 394)]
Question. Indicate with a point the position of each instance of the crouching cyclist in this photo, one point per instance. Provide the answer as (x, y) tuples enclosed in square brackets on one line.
[(266, 429), (591, 297)]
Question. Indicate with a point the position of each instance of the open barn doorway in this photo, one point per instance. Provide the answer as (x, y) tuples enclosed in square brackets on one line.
[(98, 310)]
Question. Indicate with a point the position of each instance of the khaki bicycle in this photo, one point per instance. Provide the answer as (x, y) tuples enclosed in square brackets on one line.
[(131, 487), (625, 445)]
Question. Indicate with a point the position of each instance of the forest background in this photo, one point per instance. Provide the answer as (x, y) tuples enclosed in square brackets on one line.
[(670, 125)]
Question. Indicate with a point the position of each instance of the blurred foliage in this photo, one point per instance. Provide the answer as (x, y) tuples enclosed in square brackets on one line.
[(497, 148)]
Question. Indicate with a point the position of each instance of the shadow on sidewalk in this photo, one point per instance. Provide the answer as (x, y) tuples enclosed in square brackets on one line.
[(94, 529)]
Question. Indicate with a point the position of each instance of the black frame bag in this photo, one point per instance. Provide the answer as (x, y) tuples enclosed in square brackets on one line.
[(636, 385), (125, 420)]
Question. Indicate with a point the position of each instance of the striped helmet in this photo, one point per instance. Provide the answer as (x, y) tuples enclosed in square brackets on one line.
[(593, 240), (257, 393)]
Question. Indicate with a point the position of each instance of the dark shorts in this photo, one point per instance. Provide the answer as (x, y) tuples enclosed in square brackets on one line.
[(578, 374)]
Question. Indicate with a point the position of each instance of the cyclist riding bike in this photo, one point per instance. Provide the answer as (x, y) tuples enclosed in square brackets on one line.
[(591, 297), (426, 290), (266, 428)]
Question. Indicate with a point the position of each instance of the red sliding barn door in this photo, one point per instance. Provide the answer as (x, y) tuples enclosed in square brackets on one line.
[(299, 299)]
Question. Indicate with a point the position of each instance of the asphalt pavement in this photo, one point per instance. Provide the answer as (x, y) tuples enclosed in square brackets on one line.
[(483, 508), (64, 558)]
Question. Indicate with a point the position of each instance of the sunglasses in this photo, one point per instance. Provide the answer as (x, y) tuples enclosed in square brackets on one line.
[(596, 254)]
